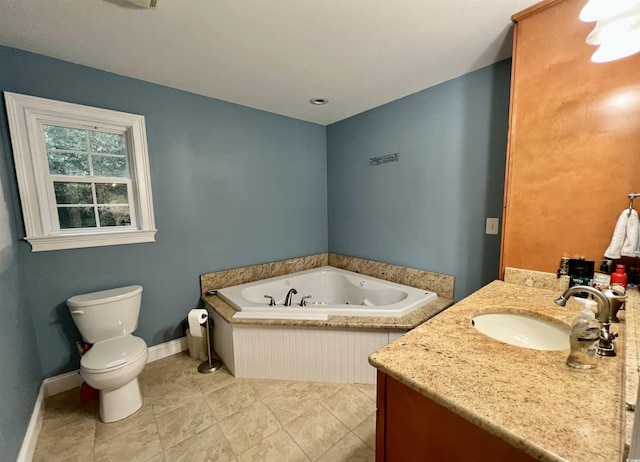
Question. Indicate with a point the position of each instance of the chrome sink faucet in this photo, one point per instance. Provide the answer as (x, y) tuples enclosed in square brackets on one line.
[(605, 346), (291, 293)]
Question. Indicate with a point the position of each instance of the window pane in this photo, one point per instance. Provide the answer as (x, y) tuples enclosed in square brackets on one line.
[(110, 166), (73, 193), (63, 163), (69, 139), (114, 216), (112, 193), (107, 143), (76, 217)]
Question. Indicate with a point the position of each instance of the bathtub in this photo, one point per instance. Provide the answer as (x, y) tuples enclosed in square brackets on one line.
[(328, 291)]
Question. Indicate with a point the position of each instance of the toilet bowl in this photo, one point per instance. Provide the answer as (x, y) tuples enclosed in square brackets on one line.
[(112, 367), (116, 359)]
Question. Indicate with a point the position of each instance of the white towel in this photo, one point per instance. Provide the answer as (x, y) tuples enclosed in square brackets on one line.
[(619, 233), (630, 244)]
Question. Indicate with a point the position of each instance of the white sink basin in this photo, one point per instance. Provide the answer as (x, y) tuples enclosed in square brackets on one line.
[(523, 331)]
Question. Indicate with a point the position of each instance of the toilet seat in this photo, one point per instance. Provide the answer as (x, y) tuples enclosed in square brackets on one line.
[(113, 354)]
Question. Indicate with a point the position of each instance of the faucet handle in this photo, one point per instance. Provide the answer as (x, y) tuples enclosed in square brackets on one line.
[(303, 301), (272, 302)]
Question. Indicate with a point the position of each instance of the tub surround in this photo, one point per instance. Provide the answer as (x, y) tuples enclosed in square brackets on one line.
[(528, 398), (233, 277), (442, 284)]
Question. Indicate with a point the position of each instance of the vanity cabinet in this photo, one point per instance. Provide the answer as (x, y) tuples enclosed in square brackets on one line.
[(410, 427), (573, 150)]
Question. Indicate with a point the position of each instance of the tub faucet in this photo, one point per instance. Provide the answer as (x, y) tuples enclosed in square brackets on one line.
[(287, 300), (605, 346)]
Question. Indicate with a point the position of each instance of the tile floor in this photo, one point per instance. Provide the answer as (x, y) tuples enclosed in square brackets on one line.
[(189, 416)]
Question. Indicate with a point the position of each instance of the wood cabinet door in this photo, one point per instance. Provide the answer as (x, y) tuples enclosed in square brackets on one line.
[(573, 152)]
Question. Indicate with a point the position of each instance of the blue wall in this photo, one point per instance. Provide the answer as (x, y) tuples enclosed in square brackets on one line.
[(20, 373), (428, 210), (232, 186)]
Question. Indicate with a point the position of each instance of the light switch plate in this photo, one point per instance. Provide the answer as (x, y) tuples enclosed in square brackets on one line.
[(493, 226)]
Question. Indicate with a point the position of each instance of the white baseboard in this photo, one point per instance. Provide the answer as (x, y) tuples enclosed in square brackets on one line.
[(30, 440), (165, 349), (70, 380), (61, 383)]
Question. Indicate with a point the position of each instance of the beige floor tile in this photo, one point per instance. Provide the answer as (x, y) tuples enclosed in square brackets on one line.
[(167, 373), (209, 383), (290, 401), (248, 427), (65, 435), (65, 400), (349, 449), (369, 389), (366, 431), (173, 395), (66, 408), (275, 448), (86, 457), (230, 399), (350, 406), (64, 453), (322, 390), (316, 431), (208, 445), (158, 458), (105, 431), (178, 425), (137, 444), (264, 387)]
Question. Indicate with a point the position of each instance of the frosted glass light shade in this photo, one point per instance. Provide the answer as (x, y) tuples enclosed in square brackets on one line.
[(617, 29), (596, 10)]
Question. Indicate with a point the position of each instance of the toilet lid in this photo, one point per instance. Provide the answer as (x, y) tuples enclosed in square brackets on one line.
[(113, 353)]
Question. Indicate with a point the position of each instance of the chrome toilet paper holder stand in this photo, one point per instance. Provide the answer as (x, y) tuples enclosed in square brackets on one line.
[(211, 364)]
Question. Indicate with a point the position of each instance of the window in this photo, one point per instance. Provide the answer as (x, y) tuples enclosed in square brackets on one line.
[(83, 174)]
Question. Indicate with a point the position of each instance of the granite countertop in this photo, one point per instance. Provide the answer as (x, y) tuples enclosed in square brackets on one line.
[(631, 357), (409, 321), (529, 398)]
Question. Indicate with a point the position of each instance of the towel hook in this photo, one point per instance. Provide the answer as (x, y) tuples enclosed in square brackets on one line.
[(631, 198)]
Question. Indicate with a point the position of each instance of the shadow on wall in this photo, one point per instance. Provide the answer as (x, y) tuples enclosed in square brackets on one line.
[(483, 254), (69, 332)]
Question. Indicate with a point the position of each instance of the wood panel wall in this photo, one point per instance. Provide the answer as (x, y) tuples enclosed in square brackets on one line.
[(574, 141)]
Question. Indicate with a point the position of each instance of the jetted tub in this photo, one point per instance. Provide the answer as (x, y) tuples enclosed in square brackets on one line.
[(333, 291)]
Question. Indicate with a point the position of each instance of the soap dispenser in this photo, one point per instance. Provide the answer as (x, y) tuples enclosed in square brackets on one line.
[(584, 337)]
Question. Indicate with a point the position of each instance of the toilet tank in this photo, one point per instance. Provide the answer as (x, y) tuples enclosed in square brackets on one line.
[(106, 314)]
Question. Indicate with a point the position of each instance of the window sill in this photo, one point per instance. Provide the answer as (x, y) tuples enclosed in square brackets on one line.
[(80, 241)]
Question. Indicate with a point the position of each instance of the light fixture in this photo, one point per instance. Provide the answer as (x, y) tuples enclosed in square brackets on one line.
[(617, 30), (318, 101)]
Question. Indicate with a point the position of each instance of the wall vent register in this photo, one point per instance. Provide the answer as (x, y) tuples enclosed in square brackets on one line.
[(82, 172)]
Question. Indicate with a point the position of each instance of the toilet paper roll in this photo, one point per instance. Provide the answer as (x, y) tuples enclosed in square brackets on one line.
[(196, 317)]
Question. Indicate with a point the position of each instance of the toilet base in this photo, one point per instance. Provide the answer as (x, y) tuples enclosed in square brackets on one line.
[(120, 403)]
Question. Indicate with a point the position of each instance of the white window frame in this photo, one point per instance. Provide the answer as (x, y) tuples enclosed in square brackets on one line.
[(26, 115)]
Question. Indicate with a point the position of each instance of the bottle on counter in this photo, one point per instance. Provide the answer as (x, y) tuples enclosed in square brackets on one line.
[(584, 337), (602, 277), (619, 279)]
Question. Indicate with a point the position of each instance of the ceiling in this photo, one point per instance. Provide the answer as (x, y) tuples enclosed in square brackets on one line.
[(273, 55)]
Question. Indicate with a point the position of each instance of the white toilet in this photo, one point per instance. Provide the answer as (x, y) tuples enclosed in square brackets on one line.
[(112, 366)]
